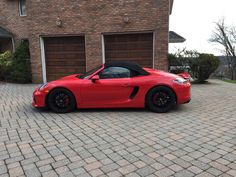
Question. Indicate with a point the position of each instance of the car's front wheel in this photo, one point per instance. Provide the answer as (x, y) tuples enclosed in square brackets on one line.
[(160, 99), (61, 101)]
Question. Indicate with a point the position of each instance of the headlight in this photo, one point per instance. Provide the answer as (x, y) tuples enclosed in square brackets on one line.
[(180, 80), (42, 86)]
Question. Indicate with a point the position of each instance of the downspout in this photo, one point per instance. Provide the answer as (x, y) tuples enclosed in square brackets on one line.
[(13, 45)]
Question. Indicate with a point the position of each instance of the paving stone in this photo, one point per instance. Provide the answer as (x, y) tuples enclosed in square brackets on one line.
[(60, 163), (110, 167), (196, 154), (157, 166), (67, 174), (214, 171), (123, 162), (34, 172), (164, 172), (78, 171), (3, 169), (232, 172), (133, 175), (15, 172), (232, 165), (194, 170), (170, 156), (96, 172), (45, 168), (139, 164), (93, 165), (145, 171), (200, 165), (127, 169), (213, 156), (106, 161), (223, 161), (115, 174), (182, 163), (50, 173), (204, 174), (175, 168), (184, 173)]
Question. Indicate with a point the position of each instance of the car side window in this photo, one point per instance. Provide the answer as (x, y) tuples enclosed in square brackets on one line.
[(114, 72)]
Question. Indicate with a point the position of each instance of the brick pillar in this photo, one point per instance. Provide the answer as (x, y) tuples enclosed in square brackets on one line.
[(36, 65), (93, 50)]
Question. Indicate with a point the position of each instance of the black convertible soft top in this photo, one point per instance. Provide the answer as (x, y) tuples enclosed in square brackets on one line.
[(127, 64)]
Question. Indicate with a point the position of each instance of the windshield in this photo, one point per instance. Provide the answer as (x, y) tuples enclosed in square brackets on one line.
[(87, 74)]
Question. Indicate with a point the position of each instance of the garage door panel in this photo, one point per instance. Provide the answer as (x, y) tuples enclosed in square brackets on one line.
[(129, 37), (65, 48), (64, 56), (130, 47), (144, 63), (64, 70), (130, 55), (67, 63)]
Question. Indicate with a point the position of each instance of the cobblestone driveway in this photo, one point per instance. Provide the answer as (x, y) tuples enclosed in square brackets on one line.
[(197, 139)]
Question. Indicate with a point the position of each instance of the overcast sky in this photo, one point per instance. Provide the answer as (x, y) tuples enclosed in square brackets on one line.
[(194, 20)]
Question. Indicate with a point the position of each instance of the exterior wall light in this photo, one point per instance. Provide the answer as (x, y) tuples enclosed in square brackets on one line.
[(126, 19), (59, 22)]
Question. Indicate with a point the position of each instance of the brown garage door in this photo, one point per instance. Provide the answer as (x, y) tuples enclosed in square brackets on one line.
[(64, 56), (130, 47)]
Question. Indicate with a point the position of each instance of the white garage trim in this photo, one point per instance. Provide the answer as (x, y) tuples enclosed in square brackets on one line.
[(154, 44), (103, 50), (42, 51)]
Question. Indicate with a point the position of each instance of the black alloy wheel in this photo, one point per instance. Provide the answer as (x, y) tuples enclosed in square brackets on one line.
[(61, 101), (160, 99)]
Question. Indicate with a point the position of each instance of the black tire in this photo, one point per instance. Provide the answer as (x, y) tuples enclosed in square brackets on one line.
[(160, 99), (61, 101)]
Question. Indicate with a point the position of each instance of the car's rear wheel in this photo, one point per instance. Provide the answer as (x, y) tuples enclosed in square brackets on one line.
[(61, 101), (160, 99)]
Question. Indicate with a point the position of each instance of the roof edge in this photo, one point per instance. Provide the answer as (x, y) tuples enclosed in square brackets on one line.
[(171, 5), (175, 38), (5, 33)]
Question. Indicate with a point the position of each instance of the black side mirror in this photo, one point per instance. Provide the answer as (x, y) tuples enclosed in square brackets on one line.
[(95, 78)]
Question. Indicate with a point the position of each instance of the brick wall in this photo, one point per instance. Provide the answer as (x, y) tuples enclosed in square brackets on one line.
[(12, 21), (89, 18)]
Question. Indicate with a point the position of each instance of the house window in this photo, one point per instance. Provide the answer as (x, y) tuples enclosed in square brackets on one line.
[(22, 7)]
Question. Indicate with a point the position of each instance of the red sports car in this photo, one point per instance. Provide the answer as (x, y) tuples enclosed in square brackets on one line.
[(115, 85)]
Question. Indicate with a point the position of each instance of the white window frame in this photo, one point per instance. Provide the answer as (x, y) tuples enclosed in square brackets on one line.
[(43, 60), (20, 9)]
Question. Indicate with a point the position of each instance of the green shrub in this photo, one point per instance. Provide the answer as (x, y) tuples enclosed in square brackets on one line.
[(16, 67), (180, 61), (203, 66), (5, 64), (21, 68)]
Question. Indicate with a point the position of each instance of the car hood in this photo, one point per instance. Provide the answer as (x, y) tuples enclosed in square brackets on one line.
[(64, 80), (73, 76)]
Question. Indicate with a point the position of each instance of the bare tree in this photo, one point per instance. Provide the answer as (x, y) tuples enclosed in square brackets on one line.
[(226, 37)]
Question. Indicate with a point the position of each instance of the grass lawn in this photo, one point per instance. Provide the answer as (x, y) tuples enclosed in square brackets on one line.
[(230, 81)]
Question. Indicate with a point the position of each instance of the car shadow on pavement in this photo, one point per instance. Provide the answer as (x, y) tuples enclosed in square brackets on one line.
[(178, 108), (205, 83), (46, 110)]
